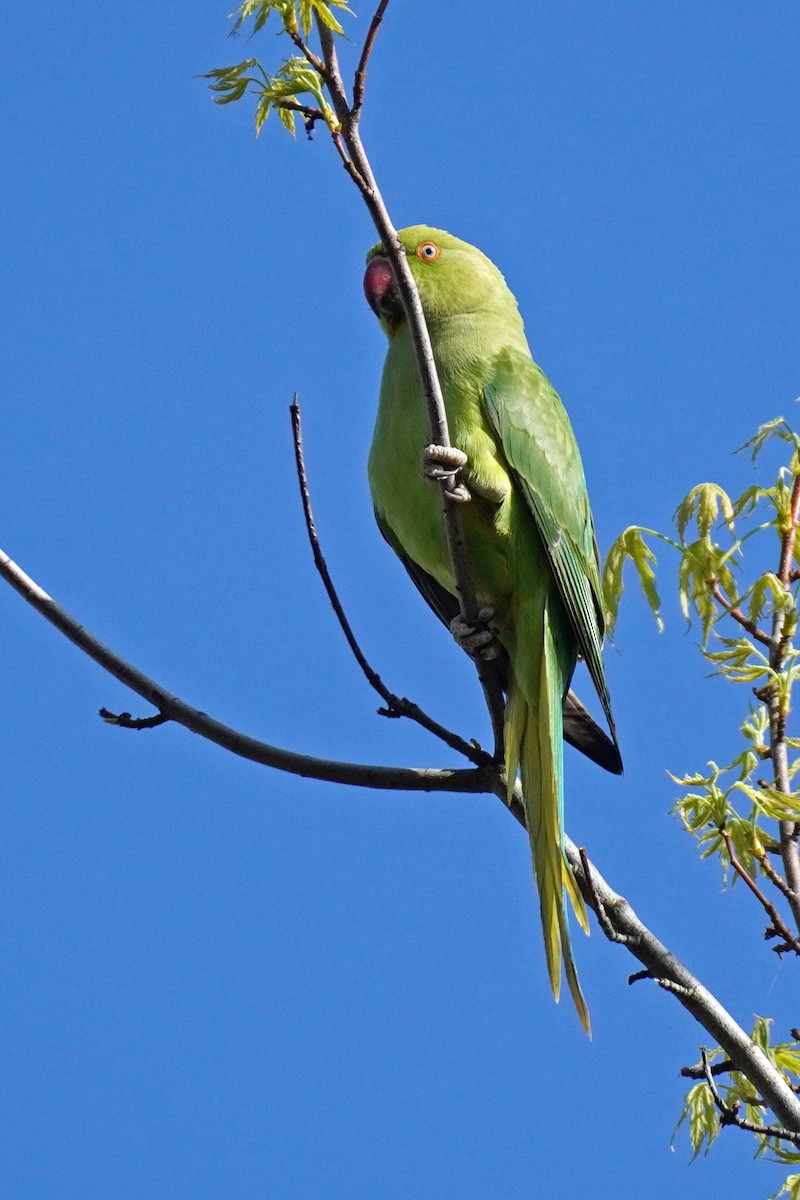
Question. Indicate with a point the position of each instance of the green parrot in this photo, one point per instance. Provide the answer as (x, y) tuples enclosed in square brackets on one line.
[(528, 526)]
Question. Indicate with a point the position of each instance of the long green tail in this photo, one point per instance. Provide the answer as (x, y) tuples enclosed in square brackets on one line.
[(535, 745)]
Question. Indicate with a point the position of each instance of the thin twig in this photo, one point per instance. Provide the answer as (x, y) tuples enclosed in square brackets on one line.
[(397, 706), (775, 877), (308, 54), (769, 908), (729, 1116), (347, 162), (125, 721), (311, 114), (597, 904), (475, 779), (739, 616), (787, 549), (778, 711), (719, 1068), (361, 69)]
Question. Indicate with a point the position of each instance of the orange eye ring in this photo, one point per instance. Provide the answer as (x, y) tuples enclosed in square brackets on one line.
[(428, 251)]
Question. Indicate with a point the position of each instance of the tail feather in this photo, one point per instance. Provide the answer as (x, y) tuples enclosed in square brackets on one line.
[(534, 743)]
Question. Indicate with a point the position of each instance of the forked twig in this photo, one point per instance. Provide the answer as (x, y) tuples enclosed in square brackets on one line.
[(728, 1114), (396, 706)]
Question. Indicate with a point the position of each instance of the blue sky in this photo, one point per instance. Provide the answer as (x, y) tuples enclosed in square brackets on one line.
[(219, 981)]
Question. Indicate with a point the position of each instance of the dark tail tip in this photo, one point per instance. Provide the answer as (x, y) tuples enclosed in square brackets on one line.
[(583, 732)]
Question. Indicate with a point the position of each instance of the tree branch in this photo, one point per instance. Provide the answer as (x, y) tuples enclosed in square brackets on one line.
[(662, 965), (170, 707), (769, 908), (778, 711), (361, 69), (729, 1116), (738, 615), (396, 706), (619, 916), (360, 171)]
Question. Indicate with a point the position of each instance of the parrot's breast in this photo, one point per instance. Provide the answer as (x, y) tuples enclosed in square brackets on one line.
[(408, 502)]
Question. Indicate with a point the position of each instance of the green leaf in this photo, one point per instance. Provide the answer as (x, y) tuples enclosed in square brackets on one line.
[(322, 11), (287, 117), (630, 545), (777, 805), (778, 428), (701, 1113), (260, 11), (790, 1189), (745, 504), (704, 502)]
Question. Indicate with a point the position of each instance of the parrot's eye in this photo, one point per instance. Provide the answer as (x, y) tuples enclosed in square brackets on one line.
[(428, 251)]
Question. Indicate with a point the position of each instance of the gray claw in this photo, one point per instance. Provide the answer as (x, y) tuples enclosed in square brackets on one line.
[(441, 461), (478, 639), (445, 462)]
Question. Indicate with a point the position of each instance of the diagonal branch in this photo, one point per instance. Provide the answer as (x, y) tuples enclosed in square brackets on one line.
[(396, 706), (672, 975), (659, 962)]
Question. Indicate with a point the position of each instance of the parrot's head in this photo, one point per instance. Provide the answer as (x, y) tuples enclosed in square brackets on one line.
[(453, 278)]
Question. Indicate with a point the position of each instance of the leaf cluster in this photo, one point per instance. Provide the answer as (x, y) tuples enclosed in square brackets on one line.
[(702, 1115), (294, 16), (298, 86), (746, 822), (712, 530)]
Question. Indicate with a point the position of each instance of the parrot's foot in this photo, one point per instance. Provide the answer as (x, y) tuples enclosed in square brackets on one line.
[(444, 462), (478, 639)]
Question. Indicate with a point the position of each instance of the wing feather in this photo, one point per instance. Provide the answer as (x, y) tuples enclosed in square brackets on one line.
[(538, 442)]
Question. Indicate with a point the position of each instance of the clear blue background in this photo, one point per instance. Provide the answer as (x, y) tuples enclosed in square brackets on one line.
[(218, 981)]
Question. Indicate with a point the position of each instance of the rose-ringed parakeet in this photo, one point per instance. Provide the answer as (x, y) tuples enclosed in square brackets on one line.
[(528, 526)]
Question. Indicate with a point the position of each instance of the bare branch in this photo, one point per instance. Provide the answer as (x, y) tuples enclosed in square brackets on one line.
[(660, 964), (719, 1068), (361, 69), (620, 917), (772, 875), (780, 927), (440, 435), (728, 1115), (171, 708), (124, 720), (396, 706), (597, 904), (778, 711)]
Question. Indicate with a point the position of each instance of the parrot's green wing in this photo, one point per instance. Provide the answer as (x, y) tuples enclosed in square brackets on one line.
[(579, 728), (540, 448)]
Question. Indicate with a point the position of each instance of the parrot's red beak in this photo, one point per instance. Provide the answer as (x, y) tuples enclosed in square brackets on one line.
[(379, 286)]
